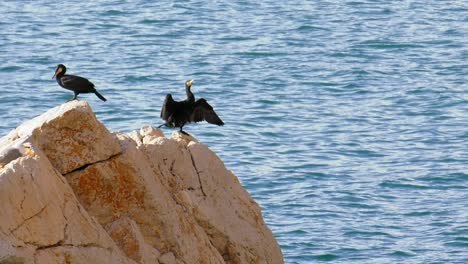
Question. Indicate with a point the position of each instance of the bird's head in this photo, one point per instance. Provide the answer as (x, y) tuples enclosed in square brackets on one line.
[(188, 83), (60, 69)]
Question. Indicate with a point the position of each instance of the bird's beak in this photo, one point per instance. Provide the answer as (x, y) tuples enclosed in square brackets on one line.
[(190, 82), (57, 72)]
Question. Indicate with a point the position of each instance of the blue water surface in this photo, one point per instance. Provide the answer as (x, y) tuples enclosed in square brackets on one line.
[(346, 120)]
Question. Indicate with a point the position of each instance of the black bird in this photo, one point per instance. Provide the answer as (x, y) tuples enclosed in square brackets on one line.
[(177, 114), (75, 83)]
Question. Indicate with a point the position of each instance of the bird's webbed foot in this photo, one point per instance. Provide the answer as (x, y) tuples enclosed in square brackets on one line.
[(185, 133)]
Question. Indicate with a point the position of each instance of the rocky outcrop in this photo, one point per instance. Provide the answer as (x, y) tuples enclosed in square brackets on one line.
[(80, 194)]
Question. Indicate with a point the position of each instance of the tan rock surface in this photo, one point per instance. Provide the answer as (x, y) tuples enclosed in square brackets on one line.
[(124, 186), (216, 199), (85, 195), (70, 136), (126, 233), (41, 220)]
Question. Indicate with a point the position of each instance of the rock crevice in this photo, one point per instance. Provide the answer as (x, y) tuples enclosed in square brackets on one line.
[(86, 195), (198, 174)]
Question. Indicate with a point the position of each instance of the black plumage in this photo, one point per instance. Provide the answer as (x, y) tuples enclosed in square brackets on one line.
[(177, 114), (75, 83)]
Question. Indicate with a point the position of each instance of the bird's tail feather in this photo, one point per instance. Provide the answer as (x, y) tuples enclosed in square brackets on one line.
[(100, 96)]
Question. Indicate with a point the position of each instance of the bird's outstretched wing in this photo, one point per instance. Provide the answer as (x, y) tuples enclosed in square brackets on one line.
[(77, 83), (168, 107), (203, 111)]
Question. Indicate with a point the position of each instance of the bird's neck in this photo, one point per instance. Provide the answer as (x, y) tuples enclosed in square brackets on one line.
[(190, 96), (58, 76)]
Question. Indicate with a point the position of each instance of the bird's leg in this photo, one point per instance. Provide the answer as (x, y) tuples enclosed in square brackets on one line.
[(75, 97), (183, 132), (165, 124)]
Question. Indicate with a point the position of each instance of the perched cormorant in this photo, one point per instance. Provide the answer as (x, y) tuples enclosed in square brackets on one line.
[(75, 83), (177, 114)]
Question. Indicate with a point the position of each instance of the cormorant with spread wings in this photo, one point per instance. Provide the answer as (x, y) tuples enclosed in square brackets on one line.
[(178, 113)]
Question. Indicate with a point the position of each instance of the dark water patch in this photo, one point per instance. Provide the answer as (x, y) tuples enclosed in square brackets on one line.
[(440, 224), (356, 3), (106, 26), (389, 45), (206, 73), (73, 24), (114, 12), (10, 69), (363, 153), (462, 239), (418, 214), (321, 84), (138, 78), (358, 205), (267, 102), (450, 178), (326, 257), (307, 28), (404, 254), (261, 54), (453, 32), (163, 22)]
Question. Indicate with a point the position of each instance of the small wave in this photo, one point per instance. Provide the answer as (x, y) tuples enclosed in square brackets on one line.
[(10, 69), (457, 244), (359, 205), (389, 45), (160, 21), (364, 153), (234, 39), (391, 184), (259, 54), (357, 233), (311, 28)]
